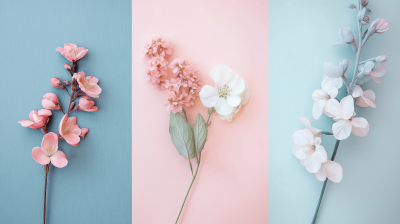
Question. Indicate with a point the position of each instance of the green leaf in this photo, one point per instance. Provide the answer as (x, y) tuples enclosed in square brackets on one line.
[(200, 133), (182, 135)]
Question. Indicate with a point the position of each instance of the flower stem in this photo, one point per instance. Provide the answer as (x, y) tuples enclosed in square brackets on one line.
[(325, 182), (46, 171), (194, 177)]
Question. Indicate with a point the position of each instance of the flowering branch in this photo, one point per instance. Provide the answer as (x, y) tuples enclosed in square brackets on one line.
[(308, 148)]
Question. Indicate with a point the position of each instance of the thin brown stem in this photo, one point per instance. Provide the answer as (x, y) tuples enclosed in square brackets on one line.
[(46, 171)]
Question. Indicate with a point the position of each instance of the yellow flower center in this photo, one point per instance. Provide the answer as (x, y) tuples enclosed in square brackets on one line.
[(223, 91), (309, 149)]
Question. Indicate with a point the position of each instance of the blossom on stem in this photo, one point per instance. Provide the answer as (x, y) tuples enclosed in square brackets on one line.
[(36, 119), (88, 84), (50, 101), (57, 83), (227, 93), (69, 130), (322, 100), (364, 98), (334, 74), (84, 131), (307, 122), (159, 46), (346, 38), (378, 26), (346, 123), (49, 152), (309, 150), (72, 52), (86, 104), (331, 170)]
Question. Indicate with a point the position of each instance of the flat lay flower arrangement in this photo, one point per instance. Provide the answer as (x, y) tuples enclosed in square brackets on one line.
[(308, 148), (225, 98), (82, 87)]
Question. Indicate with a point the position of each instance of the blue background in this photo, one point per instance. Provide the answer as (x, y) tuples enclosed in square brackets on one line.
[(300, 37), (95, 186)]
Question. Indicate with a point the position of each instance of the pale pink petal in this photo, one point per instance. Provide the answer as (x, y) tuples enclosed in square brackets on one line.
[(332, 70), (70, 45), (307, 122), (341, 129), (298, 138), (318, 106), (74, 129), (71, 139), (369, 98), (379, 71), (320, 154), (44, 112), (50, 143), (331, 91), (347, 107), (360, 126), (299, 152), (48, 104), (357, 91), (71, 121), (308, 136), (39, 156), (81, 54), (26, 123), (317, 141), (320, 175), (93, 79), (317, 95), (376, 79), (333, 171), (94, 88), (32, 114), (59, 49), (332, 106), (58, 159), (312, 165)]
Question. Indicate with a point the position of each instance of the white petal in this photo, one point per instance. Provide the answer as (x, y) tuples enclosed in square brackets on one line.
[(345, 34), (233, 101), (222, 107), (223, 75), (320, 175), (320, 154), (338, 43), (208, 96), (360, 126), (312, 165), (298, 138), (317, 95), (341, 129), (332, 170), (307, 134), (357, 91), (332, 70), (299, 152), (238, 87), (379, 71), (335, 82), (347, 107), (331, 91), (317, 108), (332, 106), (246, 94), (368, 67), (307, 122)]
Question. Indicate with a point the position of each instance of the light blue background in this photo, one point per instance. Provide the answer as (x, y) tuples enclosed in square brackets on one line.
[(300, 37), (95, 186)]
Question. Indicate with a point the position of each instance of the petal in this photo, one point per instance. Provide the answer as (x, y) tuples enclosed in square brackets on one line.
[(299, 152), (332, 106), (317, 141), (93, 79), (246, 94), (360, 127), (317, 95), (44, 112), (48, 104), (238, 87), (26, 123), (94, 88), (39, 156), (71, 121), (335, 82), (298, 138), (31, 114), (58, 159), (312, 165), (320, 175), (320, 154), (357, 91), (317, 108), (234, 100), (50, 142), (71, 139), (332, 170), (347, 107), (308, 136), (223, 75), (331, 91), (208, 96), (345, 34), (379, 71), (307, 122), (81, 54), (332, 70), (222, 107), (338, 43), (341, 129), (369, 98), (376, 79)]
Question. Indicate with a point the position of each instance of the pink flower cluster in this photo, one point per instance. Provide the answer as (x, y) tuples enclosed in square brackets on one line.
[(184, 87), (68, 128)]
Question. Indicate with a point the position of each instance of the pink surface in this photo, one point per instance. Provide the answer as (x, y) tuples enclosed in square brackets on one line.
[(232, 185)]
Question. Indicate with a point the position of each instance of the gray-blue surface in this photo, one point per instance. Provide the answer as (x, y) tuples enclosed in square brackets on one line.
[(95, 186)]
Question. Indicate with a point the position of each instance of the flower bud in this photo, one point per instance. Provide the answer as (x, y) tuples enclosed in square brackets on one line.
[(352, 6), (364, 3), (86, 104), (381, 59), (345, 64), (56, 82), (67, 82), (378, 26), (369, 65), (67, 67), (365, 20), (84, 131), (50, 102)]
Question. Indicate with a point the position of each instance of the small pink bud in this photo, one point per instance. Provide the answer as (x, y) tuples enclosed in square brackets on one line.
[(67, 82), (84, 131), (381, 59), (67, 67), (56, 82), (50, 102)]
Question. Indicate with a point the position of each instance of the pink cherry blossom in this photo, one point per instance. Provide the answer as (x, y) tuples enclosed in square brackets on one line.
[(379, 26), (158, 46), (88, 84), (57, 83), (175, 102), (36, 119), (72, 52), (84, 131), (179, 63), (50, 101), (69, 130), (49, 152), (86, 104)]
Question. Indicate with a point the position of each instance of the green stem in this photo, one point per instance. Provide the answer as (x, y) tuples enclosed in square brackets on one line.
[(325, 182), (194, 177)]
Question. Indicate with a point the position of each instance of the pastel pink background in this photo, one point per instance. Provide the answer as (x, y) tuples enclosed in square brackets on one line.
[(232, 184)]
